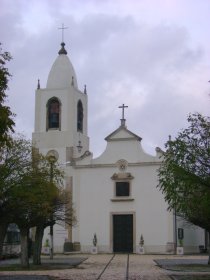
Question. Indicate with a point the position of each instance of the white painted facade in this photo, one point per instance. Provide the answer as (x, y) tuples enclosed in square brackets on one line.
[(93, 181)]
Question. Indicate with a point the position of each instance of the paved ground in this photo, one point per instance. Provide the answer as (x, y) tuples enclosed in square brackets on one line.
[(95, 267)]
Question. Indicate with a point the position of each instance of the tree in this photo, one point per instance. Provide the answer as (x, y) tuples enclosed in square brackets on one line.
[(28, 196), (33, 197), (6, 125), (6, 116), (14, 160), (62, 213), (38, 197), (184, 176)]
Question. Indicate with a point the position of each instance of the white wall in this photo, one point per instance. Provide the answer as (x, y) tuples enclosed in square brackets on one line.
[(96, 189)]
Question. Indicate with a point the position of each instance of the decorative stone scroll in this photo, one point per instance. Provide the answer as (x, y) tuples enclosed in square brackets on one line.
[(122, 164)]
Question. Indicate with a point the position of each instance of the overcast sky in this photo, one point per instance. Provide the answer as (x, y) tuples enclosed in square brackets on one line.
[(152, 55)]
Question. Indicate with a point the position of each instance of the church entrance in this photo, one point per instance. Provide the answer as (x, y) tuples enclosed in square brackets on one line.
[(123, 233)]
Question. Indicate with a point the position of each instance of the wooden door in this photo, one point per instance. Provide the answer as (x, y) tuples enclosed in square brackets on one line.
[(123, 233)]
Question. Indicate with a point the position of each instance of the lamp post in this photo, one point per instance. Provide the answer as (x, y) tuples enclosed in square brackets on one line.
[(52, 160), (175, 230), (79, 146), (174, 210)]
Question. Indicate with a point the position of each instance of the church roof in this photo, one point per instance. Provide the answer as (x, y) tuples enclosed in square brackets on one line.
[(62, 74), (121, 134)]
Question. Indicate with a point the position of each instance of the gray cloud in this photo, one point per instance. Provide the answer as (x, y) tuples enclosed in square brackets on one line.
[(156, 69)]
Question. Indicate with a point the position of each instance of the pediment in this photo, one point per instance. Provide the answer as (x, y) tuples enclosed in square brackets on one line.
[(122, 134)]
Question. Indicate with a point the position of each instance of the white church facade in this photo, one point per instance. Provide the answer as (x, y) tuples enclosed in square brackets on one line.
[(115, 196)]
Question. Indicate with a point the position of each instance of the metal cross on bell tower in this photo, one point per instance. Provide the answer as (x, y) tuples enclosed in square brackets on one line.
[(62, 28), (123, 114), (62, 50)]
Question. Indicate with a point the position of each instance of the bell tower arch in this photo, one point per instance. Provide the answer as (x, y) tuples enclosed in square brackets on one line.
[(53, 114)]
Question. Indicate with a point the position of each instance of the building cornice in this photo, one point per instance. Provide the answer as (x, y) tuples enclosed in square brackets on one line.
[(108, 165)]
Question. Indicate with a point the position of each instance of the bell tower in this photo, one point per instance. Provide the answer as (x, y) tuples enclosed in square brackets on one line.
[(61, 112)]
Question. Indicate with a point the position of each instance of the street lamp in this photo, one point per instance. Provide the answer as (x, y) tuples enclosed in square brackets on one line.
[(174, 211), (52, 159), (175, 229), (180, 234), (79, 146)]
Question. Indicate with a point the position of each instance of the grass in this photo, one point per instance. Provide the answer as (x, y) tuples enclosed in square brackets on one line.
[(191, 277), (190, 267), (18, 267)]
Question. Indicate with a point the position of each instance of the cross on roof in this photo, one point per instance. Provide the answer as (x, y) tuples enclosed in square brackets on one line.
[(123, 109), (62, 28)]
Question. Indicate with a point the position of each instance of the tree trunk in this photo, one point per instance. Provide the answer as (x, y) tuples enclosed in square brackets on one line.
[(38, 245), (24, 247), (3, 230)]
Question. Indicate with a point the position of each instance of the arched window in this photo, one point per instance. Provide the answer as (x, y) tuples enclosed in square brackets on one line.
[(53, 113), (79, 116)]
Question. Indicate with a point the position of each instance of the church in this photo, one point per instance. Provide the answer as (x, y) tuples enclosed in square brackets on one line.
[(115, 195)]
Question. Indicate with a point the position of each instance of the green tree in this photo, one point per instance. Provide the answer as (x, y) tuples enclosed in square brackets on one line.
[(6, 116), (28, 195), (6, 127), (184, 176), (61, 211), (14, 160), (32, 198)]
